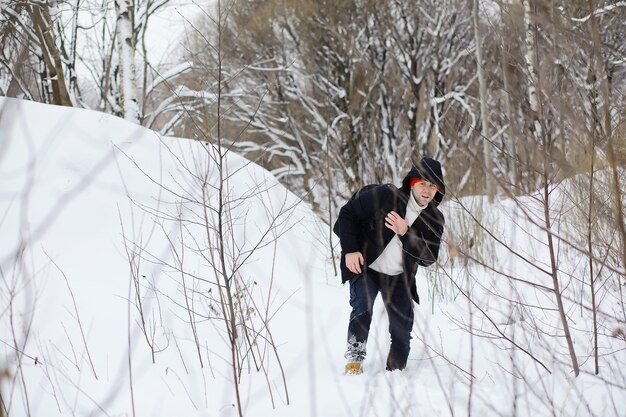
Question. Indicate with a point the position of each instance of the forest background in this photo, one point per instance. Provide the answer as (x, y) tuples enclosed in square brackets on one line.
[(329, 96)]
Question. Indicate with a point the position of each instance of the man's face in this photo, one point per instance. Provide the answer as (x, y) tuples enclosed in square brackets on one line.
[(424, 192)]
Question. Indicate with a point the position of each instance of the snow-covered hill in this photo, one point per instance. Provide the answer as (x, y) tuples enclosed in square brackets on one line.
[(108, 303)]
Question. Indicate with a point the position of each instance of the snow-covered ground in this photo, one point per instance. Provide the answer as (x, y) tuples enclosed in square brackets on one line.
[(108, 305)]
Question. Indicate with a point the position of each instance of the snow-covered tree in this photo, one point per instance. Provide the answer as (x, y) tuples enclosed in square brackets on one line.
[(34, 62), (485, 123), (343, 99), (84, 53)]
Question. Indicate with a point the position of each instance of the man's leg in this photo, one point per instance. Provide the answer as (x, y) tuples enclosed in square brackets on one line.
[(363, 291), (399, 305)]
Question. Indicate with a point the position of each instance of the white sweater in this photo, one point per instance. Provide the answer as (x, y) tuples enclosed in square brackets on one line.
[(390, 261)]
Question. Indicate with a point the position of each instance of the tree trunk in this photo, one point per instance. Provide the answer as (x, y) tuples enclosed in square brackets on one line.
[(16, 86), (530, 58), (42, 22), (542, 135), (514, 133), (126, 52), (555, 279), (608, 130), (484, 114)]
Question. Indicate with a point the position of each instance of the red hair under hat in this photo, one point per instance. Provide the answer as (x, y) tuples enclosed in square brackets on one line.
[(415, 180)]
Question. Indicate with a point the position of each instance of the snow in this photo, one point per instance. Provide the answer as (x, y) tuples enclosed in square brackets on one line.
[(81, 190), (600, 11), (171, 73)]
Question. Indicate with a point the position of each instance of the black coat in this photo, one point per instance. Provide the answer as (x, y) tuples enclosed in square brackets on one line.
[(360, 225)]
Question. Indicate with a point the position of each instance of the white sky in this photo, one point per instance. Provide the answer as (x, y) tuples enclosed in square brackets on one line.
[(166, 28)]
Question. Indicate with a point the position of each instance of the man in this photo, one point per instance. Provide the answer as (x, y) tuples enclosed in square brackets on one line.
[(385, 234)]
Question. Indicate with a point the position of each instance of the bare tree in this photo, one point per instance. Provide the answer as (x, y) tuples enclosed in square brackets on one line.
[(600, 67), (32, 46), (43, 27), (482, 95), (211, 225)]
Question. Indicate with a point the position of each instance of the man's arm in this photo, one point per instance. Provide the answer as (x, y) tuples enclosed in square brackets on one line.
[(354, 213)]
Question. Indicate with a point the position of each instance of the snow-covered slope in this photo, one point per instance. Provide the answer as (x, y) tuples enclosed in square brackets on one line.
[(97, 214), (84, 197)]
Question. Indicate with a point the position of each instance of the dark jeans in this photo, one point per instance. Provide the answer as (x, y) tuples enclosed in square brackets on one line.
[(399, 305)]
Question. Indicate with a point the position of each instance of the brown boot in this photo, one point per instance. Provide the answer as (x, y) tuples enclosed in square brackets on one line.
[(354, 368)]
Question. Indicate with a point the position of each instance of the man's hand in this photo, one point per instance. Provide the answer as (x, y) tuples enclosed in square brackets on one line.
[(396, 223), (354, 260)]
